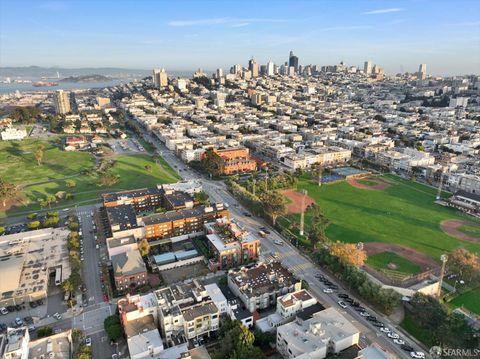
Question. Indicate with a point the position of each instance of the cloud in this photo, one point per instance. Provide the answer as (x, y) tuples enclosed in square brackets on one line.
[(233, 22), (383, 11)]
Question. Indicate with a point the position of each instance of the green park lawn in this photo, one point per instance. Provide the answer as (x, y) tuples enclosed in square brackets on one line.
[(404, 214), (20, 167), (470, 300), (381, 260), (473, 231)]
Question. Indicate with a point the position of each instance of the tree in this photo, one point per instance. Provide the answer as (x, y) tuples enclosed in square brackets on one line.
[(212, 162), (112, 327), (274, 205), (237, 342), (348, 254), (2, 230), (144, 247), (50, 222), (67, 286), (70, 183), (73, 226), (7, 191), (319, 225), (77, 335), (108, 179), (465, 264), (201, 197), (39, 154), (33, 225), (84, 352), (44, 332), (148, 168)]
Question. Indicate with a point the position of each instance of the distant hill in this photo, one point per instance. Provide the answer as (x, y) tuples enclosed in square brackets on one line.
[(39, 73), (86, 78)]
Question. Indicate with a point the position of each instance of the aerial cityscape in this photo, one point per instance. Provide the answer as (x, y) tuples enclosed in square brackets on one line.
[(239, 179)]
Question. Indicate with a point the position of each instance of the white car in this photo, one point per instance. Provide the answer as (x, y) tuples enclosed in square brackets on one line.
[(279, 242), (393, 335), (57, 316), (4, 310), (82, 258), (398, 341), (88, 341), (327, 290), (417, 355), (364, 314), (385, 329), (342, 304)]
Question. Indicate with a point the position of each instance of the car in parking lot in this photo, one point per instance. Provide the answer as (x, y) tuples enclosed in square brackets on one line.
[(57, 316), (398, 341), (342, 304), (31, 328), (417, 355), (18, 321), (393, 335), (4, 311)]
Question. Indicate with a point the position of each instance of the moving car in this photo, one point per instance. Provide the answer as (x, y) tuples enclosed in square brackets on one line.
[(279, 242)]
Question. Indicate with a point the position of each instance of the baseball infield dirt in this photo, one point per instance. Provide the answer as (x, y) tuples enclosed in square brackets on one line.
[(380, 183), (450, 227), (295, 206)]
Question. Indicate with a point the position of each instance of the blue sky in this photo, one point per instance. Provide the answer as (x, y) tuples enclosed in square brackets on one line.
[(185, 35)]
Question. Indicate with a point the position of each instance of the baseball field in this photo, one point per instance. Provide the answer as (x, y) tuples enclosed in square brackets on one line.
[(388, 210)]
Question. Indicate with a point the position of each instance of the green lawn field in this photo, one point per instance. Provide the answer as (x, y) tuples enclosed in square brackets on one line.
[(20, 167), (404, 214), (381, 260), (470, 300)]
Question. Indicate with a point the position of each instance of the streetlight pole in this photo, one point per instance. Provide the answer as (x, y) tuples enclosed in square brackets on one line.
[(302, 213), (444, 259)]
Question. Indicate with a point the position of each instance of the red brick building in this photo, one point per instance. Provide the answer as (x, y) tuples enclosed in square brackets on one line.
[(236, 160)]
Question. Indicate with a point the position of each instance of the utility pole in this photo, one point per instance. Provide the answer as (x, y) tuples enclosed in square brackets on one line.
[(444, 259), (266, 180), (319, 175), (302, 214)]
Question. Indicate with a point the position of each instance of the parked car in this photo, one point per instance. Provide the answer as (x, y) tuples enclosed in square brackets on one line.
[(88, 341), (31, 328), (342, 304), (385, 330), (406, 347), (377, 324), (343, 295), (57, 316), (417, 355), (398, 341), (18, 321), (393, 335), (4, 311), (364, 314), (279, 242), (327, 291), (371, 318)]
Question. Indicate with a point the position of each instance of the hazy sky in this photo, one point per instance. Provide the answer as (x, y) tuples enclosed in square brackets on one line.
[(185, 35)]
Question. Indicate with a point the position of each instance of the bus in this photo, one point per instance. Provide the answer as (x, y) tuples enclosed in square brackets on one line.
[(58, 276)]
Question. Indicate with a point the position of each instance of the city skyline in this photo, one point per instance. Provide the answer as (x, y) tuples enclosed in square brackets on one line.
[(396, 35)]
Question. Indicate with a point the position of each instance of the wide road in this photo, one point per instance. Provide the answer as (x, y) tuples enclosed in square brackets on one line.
[(291, 258)]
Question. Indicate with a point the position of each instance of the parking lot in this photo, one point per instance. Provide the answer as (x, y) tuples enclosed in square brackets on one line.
[(125, 146)]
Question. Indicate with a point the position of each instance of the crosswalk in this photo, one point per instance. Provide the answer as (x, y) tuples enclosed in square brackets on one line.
[(300, 267), (295, 269)]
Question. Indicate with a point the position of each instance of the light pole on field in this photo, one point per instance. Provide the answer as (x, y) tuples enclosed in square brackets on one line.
[(302, 213)]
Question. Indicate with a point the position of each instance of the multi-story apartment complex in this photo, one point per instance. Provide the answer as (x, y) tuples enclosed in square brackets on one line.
[(327, 332), (231, 246), (260, 286), (181, 222), (236, 160), (129, 269), (62, 102)]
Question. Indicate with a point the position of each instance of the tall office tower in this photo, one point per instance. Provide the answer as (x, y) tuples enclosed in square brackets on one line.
[(422, 71), (293, 61), (253, 67), (367, 67), (160, 78), (219, 73), (270, 68), (236, 69), (263, 69), (62, 102)]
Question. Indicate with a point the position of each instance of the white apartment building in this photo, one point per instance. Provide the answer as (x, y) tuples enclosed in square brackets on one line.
[(11, 133), (326, 332)]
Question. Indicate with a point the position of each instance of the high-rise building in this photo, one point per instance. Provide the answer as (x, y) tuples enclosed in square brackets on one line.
[(219, 73), (367, 67), (253, 67), (422, 71), (270, 68), (160, 78), (236, 69), (62, 102), (293, 61)]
